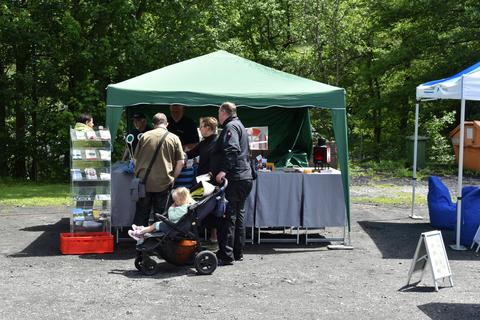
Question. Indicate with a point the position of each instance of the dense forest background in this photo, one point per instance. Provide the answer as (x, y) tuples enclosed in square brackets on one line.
[(58, 56)]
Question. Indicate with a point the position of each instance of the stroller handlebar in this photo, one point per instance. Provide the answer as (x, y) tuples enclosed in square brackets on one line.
[(224, 183)]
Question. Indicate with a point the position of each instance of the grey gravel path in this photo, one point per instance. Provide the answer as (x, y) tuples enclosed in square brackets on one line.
[(276, 281)]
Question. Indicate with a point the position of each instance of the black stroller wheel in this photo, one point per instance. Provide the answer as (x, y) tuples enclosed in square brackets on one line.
[(149, 267), (139, 263), (205, 262)]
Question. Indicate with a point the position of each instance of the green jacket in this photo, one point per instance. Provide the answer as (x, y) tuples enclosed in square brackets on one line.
[(82, 127)]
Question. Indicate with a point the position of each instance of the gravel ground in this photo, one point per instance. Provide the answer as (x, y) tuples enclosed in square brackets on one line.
[(275, 281)]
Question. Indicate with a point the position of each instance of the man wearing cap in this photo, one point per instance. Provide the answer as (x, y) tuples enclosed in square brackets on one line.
[(140, 126), (184, 127), (165, 167)]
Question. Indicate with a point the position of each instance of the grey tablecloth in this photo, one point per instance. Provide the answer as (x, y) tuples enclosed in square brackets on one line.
[(123, 209), (250, 207), (282, 199), (278, 199), (323, 200)]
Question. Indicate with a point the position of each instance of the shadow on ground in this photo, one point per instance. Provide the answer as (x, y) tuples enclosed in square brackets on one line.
[(451, 311), (398, 240), (165, 271), (47, 244)]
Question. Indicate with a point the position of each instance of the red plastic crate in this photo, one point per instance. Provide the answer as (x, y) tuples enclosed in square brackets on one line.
[(86, 242)]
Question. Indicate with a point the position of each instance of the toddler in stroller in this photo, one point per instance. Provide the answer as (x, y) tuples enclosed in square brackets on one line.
[(181, 200), (178, 242)]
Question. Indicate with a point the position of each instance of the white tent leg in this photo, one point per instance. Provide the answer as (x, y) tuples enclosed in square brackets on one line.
[(415, 147), (457, 245)]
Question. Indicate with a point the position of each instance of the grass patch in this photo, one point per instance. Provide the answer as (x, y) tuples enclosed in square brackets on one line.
[(405, 200), (386, 194), (30, 194)]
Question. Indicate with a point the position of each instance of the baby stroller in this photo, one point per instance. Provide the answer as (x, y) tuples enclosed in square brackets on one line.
[(180, 244)]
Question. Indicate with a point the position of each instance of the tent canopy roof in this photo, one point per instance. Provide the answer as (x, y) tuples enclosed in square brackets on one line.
[(214, 78), (219, 76), (466, 82)]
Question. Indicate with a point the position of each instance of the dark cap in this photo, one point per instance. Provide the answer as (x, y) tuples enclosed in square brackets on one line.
[(138, 115)]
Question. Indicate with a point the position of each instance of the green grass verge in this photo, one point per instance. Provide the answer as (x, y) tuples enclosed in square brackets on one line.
[(29, 194), (403, 200), (385, 194)]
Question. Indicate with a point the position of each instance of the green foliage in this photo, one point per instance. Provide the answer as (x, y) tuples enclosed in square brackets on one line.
[(57, 57), (440, 148)]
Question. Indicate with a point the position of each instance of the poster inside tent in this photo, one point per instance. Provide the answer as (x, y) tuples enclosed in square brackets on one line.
[(258, 138)]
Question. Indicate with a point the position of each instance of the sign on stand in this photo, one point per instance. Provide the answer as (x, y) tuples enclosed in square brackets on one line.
[(431, 254), (476, 239)]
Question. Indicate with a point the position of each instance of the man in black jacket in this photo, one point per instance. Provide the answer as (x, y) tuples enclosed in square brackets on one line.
[(234, 164)]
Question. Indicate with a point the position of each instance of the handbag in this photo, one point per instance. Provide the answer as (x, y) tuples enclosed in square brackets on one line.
[(138, 187), (221, 206)]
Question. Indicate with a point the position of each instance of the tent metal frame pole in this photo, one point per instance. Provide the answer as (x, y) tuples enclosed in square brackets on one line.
[(457, 245), (415, 152)]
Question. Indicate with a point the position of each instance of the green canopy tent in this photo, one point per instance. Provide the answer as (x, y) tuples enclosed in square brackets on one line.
[(264, 96)]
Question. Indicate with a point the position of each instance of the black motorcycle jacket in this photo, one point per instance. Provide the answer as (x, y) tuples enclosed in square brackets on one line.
[(232, 150)]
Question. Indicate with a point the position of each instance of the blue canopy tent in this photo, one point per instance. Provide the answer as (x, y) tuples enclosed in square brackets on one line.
[(462, 86)]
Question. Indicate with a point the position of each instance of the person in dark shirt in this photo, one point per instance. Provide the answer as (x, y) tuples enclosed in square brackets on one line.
[(206, 164), (203, 150), (140, 126), (184, 127)]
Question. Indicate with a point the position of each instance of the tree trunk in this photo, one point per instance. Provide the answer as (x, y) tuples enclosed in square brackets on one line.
[(3, 139), (403, 124), (20, 117), (34, 141)]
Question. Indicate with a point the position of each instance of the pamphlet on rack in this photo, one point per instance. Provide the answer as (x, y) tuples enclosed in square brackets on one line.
[(91, 135), (80, 135), (96, 214), (104, 215), (78, 214), (105, 155), (76, 174), (91, 174), (83, 198), (90, 154), (104, 176), (76, 154), (88, 213), (104, 134), (102, 197)]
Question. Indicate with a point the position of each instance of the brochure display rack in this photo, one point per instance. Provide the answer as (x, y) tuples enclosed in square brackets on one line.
[(90, 170)]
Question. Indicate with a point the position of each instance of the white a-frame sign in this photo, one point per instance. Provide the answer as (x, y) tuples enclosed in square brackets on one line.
[(431, 252)]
